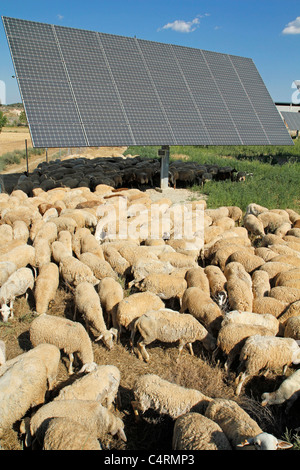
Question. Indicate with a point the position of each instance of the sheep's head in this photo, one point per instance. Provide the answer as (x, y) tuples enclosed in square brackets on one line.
[(108, 337), (265, 441), (6, 312)]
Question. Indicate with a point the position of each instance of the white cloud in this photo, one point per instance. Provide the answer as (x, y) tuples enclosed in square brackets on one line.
[(293, 27), (181, 26), (60, 17)]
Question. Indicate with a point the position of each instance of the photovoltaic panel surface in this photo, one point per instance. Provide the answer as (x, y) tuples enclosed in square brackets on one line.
[(85, 88), (292, 119)]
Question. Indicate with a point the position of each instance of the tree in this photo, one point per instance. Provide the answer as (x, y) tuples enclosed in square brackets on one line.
[(3, 120), (23, 119)]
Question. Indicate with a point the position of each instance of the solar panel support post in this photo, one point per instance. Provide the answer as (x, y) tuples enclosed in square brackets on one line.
[(164, 153), (26, 154)]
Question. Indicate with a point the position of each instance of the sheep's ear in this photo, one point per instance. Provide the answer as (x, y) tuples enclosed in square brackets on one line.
[(99, 337), (246, 442), (114, 332), (284, 445), (122, 435)]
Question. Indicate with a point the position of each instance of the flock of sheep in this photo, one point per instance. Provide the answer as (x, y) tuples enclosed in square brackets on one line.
[(238, 294)]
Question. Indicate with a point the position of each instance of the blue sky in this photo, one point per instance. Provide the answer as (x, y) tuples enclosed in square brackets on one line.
[(268, 31)]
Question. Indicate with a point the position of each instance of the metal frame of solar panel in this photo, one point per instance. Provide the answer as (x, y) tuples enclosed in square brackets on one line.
[(84, 89), (292, 120)]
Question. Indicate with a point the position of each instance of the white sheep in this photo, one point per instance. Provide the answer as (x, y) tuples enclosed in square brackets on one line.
[(87, 301), (255, 209), (44, 230), (142, 268), (239, 287), (240, 428), (193, 431), (98, 266), (217, 282), (285, 293), (46, 286), (269, 305), (16, 285), (21, 255), (6, 269), (89, 413), (59, 251), (135, 305), (118, 263), (20, 230), (266, 352), (22, 387), (67, 335), (74, 272), (250, 261), (110, 293), (260, 284), (200, 305), (232, 337), (288, 391), (76, 239), (102, 384), (169, 326), (196, 277), (153, 392), (292, 326), (48, 353), (267, 320), (42, 252), (67, 434), (164, 285), (253, 225)]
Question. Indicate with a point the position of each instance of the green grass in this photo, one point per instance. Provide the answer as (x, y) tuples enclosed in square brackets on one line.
[(272, 185), (16, 156)]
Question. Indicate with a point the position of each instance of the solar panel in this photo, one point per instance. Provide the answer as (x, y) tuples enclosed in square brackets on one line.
[(292, 120), (85, 88)]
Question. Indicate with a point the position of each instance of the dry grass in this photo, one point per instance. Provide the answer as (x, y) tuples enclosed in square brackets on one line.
[(153, 432)]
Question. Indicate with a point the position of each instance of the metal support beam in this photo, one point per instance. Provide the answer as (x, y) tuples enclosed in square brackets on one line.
[(164, 153)]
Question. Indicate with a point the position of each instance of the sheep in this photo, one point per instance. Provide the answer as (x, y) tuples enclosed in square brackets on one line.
[(65, 237), (6, 234), (255, 209), (6, 269), (288, 391), (272, 220), (240, 428), (22, 387), (267, 320), (193, 431), (153, 392), (135, 305), (164, 285), (217, 282), (274, 268), (239, 287), (48, 353), (169, 326), (59, 251), (232, 337), (118, 263), (45, 288), (269, 305), (253, 225), (178, 260), (67, 335), (21, 255), (89, 244), (222, 255), (285, 294), (293, 310), (2, 353), (74, 271), (140, 269), (87, 301), (268, 352), (64, 223), (292, 328), (102, 385), (42, 252), (99, 267), (110, 293), (196, 277), (289, 278), (265, 253), (46, 231), (76, 239), (66, 434), (17, 284), (200, 305), (20, 231), (96, 418), (260, 284), (248, 260)]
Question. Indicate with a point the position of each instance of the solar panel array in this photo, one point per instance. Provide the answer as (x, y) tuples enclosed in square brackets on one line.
[(292, 120), (84, 88)]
